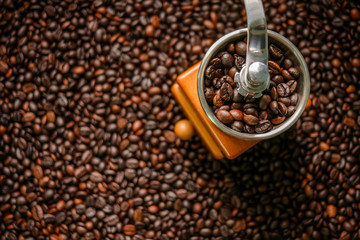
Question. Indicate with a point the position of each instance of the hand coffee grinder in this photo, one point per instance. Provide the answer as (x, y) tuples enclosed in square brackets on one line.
[(253, 79)]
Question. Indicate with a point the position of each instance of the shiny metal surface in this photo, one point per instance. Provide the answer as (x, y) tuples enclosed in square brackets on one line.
[(254, 77), (289, 50)]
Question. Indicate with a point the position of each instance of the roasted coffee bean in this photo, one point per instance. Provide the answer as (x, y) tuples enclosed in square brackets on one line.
[(37, 213), (277, 120), (294, 72), (251, 119), (49, 218), (285, 100), (226, 92), (217, 100), (275, 51), (283, 90), (282, 109), (273, 93), (210, 72), (294, 99), (224, 117), (209, 94), (290, 111), (3, 67), (263, 126), (287, 63), (285, 73), (263, 115), (239, 62), (232, 71), (292, 85), (274, 67), (251, 111), (241, 48), (227, 60), (238, 126), (277, 79), (215, 62), (274, 107), (237, 114), (129, 230), (217, 82), (264, 101), (228, 79)]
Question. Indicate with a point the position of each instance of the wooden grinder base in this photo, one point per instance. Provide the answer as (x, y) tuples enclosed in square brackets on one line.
[(219, 144)]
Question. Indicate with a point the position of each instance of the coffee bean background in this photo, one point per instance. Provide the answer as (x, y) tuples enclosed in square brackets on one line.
[(87, 146)]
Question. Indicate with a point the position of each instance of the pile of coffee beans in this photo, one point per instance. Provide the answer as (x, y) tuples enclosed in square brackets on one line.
[(248, 114), (87, 142)]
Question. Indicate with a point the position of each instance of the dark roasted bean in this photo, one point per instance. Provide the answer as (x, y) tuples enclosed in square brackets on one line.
[(275, 51), (224, 117), (263, 126), (283, 90)]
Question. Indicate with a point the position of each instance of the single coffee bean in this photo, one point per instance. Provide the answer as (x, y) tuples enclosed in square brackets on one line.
[(292, 86), (274, 107), (251, 111), (228, 79), (278, 79), (285, 100), (287, 63), (49, 218), (264, 101), (263, 126), (236, 106), (78, 70), (294, 99), (238, 126), (290, 111), (282, 109), (251, 119), (225, 107), (226, 92), (274, 67), (283, 89), (217, 82), (227, 60), (237, 114), (210, 72), (129, 230), (273, 93), (277, 120), (215, 62), (285, 73), (275, 51), (241, 48), (37, 213), (224, 117), (239, 62), (294, 72), (96, 177), (209, 94), (112, 220), (3, 67), (233, 71), (38, 172), (217, 101), (263, 115)]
